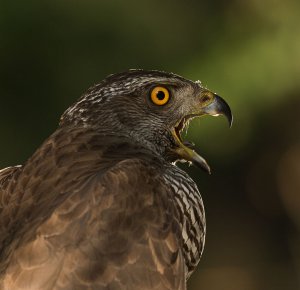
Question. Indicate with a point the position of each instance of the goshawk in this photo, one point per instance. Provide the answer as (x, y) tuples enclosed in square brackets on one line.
[(101, 204)]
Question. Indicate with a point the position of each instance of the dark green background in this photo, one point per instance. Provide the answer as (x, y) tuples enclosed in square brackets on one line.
[(247, 51)]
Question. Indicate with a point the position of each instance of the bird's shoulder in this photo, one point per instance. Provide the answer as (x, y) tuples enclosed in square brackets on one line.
[(114, 187), (71, 161)]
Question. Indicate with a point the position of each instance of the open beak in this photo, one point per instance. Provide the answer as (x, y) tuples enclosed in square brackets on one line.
[(185, 150)]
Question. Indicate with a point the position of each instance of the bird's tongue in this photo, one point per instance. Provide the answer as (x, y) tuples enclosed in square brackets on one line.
[(186, 151)]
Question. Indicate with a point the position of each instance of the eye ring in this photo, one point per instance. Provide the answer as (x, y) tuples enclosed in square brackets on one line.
[(160, 96)]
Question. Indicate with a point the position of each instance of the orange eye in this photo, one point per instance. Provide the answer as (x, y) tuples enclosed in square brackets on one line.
[(160, 96)]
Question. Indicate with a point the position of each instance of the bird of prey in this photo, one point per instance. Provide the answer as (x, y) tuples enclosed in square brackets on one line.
[(101, 204)]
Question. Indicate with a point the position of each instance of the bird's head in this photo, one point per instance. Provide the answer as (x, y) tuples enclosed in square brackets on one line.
[(150, 107)]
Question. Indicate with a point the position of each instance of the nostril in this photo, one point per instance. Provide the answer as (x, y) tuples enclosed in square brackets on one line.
[(205, 98)]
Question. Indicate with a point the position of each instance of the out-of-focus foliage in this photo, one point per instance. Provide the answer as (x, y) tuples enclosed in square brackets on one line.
[(247, 51)]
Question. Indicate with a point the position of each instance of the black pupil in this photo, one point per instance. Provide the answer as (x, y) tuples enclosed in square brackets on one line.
[(160, 95)]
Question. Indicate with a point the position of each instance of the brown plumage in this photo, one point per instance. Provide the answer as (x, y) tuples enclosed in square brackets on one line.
[(101, 204)]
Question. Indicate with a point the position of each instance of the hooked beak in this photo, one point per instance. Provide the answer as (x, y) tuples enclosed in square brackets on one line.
[(219, 107), (185, 150)]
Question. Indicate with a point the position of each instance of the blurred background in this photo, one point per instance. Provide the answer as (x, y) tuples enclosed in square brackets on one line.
[(246, 51)]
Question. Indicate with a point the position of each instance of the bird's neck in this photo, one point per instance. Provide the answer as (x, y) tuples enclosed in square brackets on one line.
[(117, 122)]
